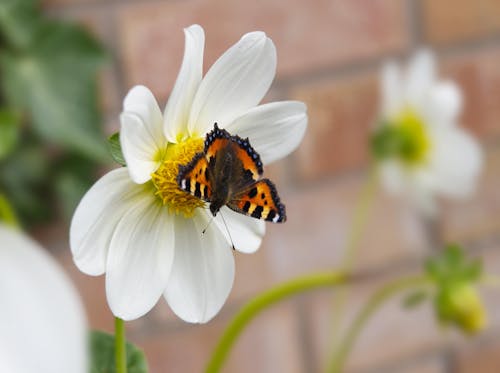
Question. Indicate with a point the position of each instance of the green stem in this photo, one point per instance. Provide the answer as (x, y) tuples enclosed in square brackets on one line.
[(120, 346), (373, 304), (263, 301), (360, 218)]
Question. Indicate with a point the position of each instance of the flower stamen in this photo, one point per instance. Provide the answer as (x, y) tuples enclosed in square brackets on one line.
[(165, 177)]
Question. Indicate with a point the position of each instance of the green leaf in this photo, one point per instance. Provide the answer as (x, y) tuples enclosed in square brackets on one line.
[(9, 131), (72, 178), (19, 20), (24, 177), (54, 81), (116, 148), (102, 346), (415, 298)]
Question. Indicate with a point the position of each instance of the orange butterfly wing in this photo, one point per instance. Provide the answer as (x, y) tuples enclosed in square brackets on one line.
[(194, 178), (218, 138), (252, 197), (260, 201)]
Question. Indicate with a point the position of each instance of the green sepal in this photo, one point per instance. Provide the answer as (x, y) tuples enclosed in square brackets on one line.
[(115, 149), (102, 348), (452, 266), (457, 301)]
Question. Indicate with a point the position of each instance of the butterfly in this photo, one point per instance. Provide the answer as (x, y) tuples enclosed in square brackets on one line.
[(227, 172)]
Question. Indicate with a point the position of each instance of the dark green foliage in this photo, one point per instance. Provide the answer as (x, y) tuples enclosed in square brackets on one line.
[(102, 348), (50, 124)]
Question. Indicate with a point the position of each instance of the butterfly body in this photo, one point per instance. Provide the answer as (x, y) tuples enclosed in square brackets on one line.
[(228, 172)]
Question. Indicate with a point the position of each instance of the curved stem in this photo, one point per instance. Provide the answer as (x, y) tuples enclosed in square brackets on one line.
[(369, 310), (262, 301), (359, 220), (120, 346)]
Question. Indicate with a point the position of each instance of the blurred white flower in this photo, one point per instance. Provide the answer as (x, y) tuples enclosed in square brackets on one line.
[(421, 151), (42, 323), (138, 227)]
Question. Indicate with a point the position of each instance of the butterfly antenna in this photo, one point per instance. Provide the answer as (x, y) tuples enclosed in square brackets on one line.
[(208, 224), (227, 229)]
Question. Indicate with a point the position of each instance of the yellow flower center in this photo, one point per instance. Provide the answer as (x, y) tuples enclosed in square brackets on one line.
[(165, 177), (417, 142), (403, 137)]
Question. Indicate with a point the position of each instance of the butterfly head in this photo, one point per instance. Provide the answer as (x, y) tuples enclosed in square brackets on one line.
[(214, 208)]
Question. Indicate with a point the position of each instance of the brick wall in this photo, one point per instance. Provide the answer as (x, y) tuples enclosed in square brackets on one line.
[(329, 53)]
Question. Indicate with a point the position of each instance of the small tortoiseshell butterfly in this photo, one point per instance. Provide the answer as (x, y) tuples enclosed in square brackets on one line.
[(227, 172)]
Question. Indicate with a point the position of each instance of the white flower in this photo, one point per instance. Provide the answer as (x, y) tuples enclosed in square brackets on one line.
[(422, 152), (42, 323), (138, 227)]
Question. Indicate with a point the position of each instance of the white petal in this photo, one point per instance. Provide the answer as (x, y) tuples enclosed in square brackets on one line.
[(274, 130), (203, 270), (243, 231), (456, 162), (443, 104), (421, 76), (140, 148), (42, 323), (139, 260), (416, 185), (181, 98), (96, 217), (237, 81), (141, 102), (391, 90)]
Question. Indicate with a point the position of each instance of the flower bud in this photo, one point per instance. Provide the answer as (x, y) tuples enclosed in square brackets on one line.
[(461, 305)]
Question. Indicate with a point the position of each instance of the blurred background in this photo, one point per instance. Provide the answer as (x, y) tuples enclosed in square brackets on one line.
[(329, 55)]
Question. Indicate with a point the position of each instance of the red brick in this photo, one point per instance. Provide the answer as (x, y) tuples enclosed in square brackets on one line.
[(269, 344), (491, 261), (93, 293), (66, 3), (341, 113), (253, 275), (478, 75), (448, 21), (484, 358), (395, 336), (381, 342), (478, 216), (429, 365), (91, 289), (307, 35), (316, 232)]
